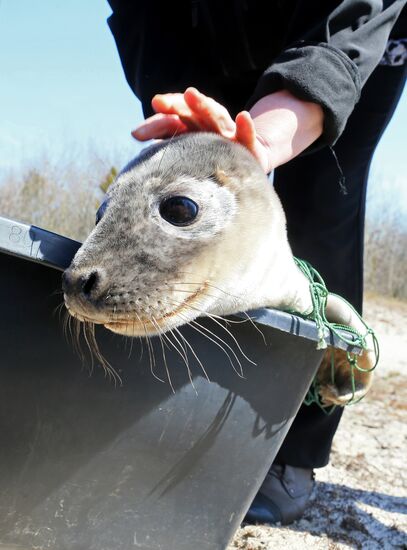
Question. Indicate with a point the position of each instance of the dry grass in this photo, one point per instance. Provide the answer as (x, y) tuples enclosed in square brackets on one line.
[(386, 238), (386, 258)]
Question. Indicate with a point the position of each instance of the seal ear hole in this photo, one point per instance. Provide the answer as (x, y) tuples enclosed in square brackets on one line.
[(221, 177), (178, 210)]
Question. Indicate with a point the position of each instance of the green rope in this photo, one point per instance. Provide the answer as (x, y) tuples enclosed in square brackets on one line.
[(348, 335)]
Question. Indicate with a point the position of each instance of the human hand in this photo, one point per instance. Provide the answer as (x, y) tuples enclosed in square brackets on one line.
[(278, 128), (192, 111)]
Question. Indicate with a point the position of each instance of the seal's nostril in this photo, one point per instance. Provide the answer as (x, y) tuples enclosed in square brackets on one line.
[(89, 282)]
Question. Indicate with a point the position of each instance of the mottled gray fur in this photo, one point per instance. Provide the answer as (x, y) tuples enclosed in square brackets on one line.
[(136, 253)]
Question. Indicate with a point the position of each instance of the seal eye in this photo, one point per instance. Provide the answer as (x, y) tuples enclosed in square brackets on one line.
[(178, 210), (101, 210)]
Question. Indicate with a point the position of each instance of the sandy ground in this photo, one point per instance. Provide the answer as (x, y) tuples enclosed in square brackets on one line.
[(360, 499)]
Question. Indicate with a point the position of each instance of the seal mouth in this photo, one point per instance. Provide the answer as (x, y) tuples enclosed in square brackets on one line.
[(80, 317), (145, 327), (137, 325)]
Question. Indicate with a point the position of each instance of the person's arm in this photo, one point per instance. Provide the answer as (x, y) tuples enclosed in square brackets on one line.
[(329, 63), (286, 125)]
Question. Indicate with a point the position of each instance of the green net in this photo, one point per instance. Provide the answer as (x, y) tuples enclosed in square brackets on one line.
[(349, 335)]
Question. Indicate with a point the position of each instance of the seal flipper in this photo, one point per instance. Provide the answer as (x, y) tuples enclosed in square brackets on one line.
[(347, 383)]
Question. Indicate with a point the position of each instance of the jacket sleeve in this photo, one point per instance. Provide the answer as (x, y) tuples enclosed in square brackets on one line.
[(330, 63)]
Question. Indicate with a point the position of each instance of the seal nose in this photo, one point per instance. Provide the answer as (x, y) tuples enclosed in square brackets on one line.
[(88, 285)]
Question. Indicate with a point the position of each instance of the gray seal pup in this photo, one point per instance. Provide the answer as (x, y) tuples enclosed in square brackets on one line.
[(194, 227)]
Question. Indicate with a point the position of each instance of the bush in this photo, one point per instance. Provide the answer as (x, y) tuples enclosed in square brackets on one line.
[(64, 202), (386, 239)]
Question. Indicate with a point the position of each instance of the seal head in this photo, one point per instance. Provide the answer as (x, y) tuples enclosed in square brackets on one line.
[(174, 238)]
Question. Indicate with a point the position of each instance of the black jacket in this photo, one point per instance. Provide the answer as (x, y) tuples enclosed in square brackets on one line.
[(238, 51)]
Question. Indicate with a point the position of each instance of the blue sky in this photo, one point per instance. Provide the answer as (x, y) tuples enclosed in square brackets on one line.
[(61, 80), (62, 86)]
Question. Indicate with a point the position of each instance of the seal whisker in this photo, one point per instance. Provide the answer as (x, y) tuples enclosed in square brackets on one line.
[(193, 324), (194, 291), (95, 350), (183, 354), (225, 319), (163, 353), (210, 285), (131, 347), (238, 372), (85, 336), (151, 355), (57, 292), (141, 346), (213, 315), (69, 327), (194, 354), (76, 340), (180, 349), (65, 322), (166, 335), (140, 339), (206, 282), (59, 309), (233, 338), (250, 320), (206, 314), (195, 308)]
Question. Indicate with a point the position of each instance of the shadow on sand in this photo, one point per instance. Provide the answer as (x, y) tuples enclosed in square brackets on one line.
[(336, 511)]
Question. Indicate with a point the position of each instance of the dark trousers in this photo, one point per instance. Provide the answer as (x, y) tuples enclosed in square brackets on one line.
[(326, 228)]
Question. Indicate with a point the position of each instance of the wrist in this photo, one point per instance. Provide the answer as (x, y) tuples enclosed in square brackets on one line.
[(286, 126)]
